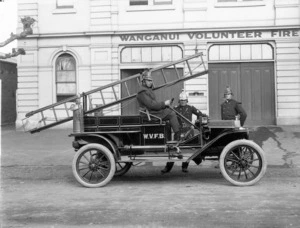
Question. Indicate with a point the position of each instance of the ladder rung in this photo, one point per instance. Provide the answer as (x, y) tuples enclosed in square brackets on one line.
[(163, 73), (102, 97), (43, 118), (126, 87), (114, 92), (190, 70), (177, 73), (67, 110), (54, 112), (90, 101), (202, 62), (138, 81)]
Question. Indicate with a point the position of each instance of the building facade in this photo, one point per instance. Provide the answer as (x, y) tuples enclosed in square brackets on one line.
[(252, 46)]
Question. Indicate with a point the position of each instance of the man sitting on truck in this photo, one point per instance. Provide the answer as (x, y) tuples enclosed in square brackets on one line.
[(186, 128), (147, 100)]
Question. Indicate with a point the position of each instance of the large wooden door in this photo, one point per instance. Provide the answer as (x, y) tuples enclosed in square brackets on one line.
[(131, 107), (258, 93), (251, 83)]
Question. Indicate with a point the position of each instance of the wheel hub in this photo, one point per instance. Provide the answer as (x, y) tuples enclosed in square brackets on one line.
[(93, 166), (243, 163)]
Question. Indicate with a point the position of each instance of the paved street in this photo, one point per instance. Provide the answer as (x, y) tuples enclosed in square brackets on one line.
[(39, 190)]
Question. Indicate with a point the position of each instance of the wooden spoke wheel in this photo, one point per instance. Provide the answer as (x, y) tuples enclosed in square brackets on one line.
[(93, 165), (122, 168), (243, 163)]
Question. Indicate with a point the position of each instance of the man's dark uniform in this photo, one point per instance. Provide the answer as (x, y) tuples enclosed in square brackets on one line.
[(231, 108), (187, 111), (147, 99)]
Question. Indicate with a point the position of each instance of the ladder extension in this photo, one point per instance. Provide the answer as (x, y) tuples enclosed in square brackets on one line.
[(109, 95)]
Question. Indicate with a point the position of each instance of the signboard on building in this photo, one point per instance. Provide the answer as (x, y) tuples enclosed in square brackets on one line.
[(213, 35)]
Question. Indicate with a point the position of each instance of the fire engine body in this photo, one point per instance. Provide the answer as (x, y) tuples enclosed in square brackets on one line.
[(109, 145)]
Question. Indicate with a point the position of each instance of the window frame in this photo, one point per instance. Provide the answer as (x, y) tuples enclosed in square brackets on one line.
[(62, 96), (155, 55), (151, 2), (242, 58)]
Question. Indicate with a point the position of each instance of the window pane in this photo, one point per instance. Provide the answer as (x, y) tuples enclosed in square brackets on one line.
[(146, 54), (156, 54), (245, 51), (66, 76), (176, 53), (235, 52), (166, 54), (214, 53), (256, 51), (267, 51), (66, 88), (136, 55), (162, 2), (65, 63), (138, 2), (224, 52), (126, 55), (63, 97)]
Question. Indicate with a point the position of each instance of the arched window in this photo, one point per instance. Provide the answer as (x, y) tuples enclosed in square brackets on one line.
[(65, 77), (240, 52)]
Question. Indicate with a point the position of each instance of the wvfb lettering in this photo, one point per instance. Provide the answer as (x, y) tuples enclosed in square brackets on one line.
[(154, 136)]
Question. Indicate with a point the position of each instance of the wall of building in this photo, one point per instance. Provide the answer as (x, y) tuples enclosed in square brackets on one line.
[(104, 27)]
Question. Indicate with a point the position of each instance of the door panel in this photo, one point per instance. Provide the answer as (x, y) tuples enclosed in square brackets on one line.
[(220, 76), (130, 107), (251, 83), (259, 102)]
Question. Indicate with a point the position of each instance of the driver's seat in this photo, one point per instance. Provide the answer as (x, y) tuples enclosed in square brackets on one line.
[(147, 117)]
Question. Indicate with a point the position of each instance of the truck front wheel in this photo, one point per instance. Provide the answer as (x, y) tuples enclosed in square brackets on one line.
[(243, 163)]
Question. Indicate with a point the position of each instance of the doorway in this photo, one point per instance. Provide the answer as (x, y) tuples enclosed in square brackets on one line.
[(251, 83)]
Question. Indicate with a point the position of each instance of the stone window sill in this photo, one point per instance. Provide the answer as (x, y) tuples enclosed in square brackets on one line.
[(64, 11), (239, 4)]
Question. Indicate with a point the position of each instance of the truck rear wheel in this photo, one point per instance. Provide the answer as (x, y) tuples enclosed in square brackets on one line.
[(122, 168), (243, 163), (93, 165)]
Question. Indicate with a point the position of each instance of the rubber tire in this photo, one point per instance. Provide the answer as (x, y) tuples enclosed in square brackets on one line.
[(124, 169), (106, 152), (250, 144)]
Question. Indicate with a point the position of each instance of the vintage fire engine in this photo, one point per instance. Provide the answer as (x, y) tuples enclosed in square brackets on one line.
[(108, 145)]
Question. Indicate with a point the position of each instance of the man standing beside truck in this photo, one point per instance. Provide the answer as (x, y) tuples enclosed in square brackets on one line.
[(232, 109)]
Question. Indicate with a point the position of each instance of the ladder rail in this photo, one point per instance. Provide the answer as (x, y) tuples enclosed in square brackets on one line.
[(138, 75), (70, 99)]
